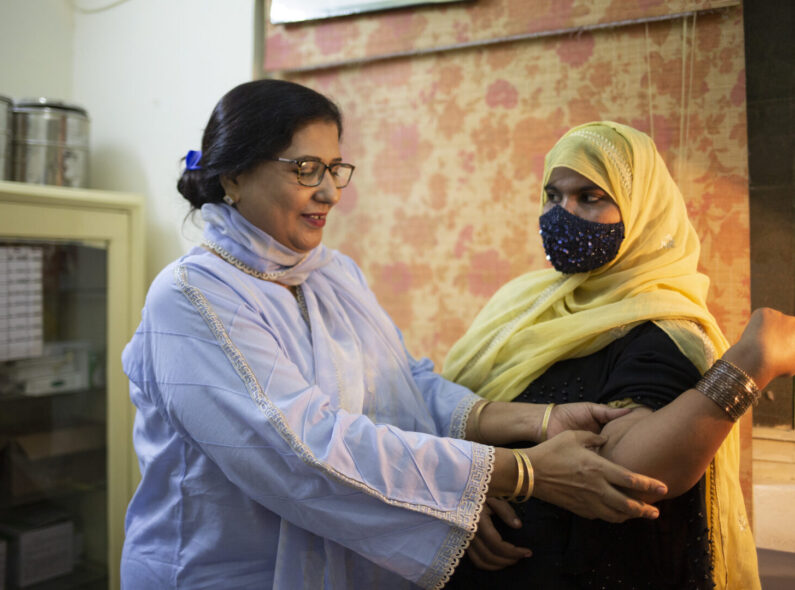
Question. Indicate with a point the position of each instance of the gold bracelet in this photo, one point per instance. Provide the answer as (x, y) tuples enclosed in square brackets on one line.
[(529, 475), (519, 478), (545, 421), (730, 387), (476, 420)]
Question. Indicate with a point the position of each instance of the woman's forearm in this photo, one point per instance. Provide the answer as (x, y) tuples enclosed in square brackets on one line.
[(501, 423), (676, 443)]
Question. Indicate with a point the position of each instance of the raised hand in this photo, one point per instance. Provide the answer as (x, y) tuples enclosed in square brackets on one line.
[(766, 349)]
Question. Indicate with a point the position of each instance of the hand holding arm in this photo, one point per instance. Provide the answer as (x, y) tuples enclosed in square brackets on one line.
[(500, 423), (677, 442), (570, 474)]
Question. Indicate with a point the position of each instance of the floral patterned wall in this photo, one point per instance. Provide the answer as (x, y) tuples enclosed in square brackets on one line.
[(449, 145), (343, 40)]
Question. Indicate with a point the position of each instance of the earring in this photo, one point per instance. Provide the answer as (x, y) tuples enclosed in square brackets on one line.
[(229, 201)]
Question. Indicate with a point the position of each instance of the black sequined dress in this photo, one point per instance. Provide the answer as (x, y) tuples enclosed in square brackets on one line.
[(570, 552)]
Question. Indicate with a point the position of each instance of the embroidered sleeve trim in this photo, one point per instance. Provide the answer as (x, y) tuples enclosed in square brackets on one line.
[(458, 425), (458, 539)]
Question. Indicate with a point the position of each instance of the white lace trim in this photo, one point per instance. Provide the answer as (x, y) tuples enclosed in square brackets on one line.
[(457, 541), (236, 262), (458, 425), (615, 156), (710, 354)]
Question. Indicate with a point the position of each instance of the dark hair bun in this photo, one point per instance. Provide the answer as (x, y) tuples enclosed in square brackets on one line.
[(197, 191)]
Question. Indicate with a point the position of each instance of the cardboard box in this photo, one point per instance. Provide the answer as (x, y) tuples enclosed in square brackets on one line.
[(39, 545), (43, 462)]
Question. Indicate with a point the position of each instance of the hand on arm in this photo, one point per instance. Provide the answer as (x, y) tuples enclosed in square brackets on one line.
[(569, 474), (676, 443), (500, 423)]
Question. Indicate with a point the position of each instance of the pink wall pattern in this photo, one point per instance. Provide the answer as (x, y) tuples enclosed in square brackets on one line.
[(421, 28), (449, 146)]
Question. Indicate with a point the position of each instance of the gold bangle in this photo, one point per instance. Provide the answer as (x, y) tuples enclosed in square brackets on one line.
[(476, 420), (520, 467), (529, 475), (545, 421)]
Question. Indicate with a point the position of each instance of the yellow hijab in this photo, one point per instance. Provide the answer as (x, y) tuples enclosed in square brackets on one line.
[(543, 317)]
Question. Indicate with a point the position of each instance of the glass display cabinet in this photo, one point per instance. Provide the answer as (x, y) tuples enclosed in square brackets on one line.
[(71, 291)]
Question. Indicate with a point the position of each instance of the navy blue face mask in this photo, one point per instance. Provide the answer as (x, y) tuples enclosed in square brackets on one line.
[(574, 244)]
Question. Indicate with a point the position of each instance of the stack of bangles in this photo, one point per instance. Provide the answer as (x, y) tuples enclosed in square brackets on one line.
[(730, 387), (525, 481)]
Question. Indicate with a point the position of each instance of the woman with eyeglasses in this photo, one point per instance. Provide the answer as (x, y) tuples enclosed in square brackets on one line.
[(286, 438), (622, 319)]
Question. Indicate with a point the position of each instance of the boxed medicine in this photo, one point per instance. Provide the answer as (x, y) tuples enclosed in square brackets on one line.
[(38, 545)]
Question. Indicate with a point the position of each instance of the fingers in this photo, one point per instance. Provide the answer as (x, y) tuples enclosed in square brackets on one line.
[(505, 512), (624, 478), (571, 475), (604, 414), (618, 507), (484, 559), (489, 551), (589, 440)]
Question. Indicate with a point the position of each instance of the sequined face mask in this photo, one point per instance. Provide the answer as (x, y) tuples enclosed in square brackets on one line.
[(574, 244)]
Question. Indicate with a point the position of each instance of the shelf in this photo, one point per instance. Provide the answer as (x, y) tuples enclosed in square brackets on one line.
[(13, 397), (85, 576), (54, 494)]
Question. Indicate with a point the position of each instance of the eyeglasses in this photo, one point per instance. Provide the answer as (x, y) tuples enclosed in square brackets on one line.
[(311, 172)]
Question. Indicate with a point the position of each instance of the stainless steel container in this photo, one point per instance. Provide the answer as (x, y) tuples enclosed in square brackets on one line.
[(50, 143), (5, 138)]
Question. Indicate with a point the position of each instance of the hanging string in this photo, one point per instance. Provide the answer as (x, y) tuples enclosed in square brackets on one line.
[(689, 100), (682, 94), (648, 82)]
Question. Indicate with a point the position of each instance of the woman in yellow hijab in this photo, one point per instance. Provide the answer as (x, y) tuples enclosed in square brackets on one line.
[(621, 319)]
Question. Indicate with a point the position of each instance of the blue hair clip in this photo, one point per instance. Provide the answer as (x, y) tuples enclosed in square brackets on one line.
[(192, 160)]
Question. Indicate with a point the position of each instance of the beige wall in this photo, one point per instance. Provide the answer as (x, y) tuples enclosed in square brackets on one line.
[(37, 48), (148, 72)]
